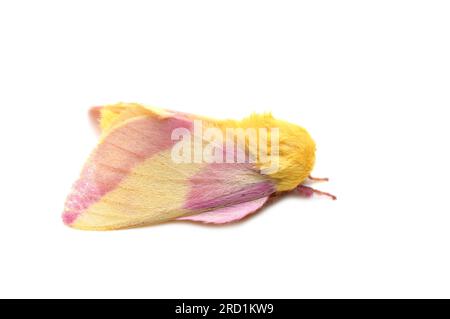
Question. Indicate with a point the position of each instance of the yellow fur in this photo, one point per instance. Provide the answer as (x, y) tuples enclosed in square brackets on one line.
[(296, 148)]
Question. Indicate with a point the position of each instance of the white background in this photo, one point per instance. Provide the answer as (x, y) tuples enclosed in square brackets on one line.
[(369, 79)]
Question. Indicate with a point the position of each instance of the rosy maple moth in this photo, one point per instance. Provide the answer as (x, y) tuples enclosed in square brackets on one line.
[(153, 165)]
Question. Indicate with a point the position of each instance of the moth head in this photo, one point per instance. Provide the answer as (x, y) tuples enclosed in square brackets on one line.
[(296, 156), (290, 148)]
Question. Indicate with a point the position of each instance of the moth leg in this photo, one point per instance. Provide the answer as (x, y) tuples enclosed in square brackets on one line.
[(309, 192), (317, 179)]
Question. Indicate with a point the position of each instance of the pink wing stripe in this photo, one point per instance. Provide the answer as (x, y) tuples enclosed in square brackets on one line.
[(213, 186), (228, 214), (114, 158)]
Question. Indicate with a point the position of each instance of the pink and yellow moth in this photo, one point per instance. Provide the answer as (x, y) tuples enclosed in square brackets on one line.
[(153, 165)]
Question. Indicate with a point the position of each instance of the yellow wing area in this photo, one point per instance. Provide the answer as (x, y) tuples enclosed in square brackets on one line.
[(114, 115), (153, 192)]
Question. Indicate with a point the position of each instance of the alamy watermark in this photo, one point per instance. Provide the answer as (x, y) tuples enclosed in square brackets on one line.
[(235, 145)]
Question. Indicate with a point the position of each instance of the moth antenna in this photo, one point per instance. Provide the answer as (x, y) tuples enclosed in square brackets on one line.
[(309, 192), (317, 179)]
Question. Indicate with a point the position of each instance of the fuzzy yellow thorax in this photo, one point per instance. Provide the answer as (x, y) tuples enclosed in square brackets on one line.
[(296, 149)]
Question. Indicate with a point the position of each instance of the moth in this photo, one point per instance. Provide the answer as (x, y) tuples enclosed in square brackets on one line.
[(155, 165)]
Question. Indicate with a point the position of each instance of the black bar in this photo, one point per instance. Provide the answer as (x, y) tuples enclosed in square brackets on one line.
[(228, 308)]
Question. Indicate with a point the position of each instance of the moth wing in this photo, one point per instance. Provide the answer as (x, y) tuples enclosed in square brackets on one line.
[(228, 214), (106, 118), (131, 179)]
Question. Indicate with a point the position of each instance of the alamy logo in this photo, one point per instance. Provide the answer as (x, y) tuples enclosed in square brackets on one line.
[(235, 145)]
